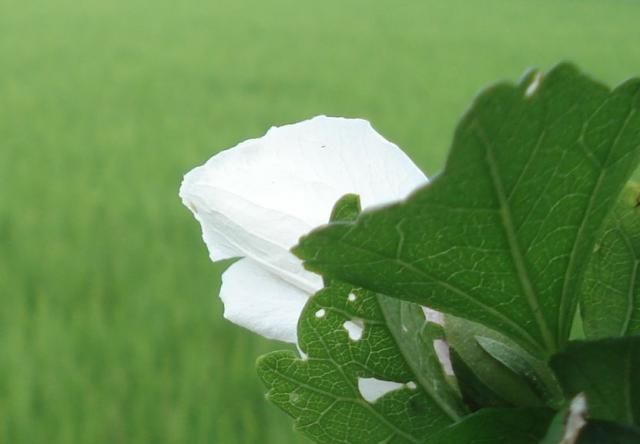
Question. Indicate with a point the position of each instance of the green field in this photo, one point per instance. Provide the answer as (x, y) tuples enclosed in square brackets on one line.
[(110, 327)]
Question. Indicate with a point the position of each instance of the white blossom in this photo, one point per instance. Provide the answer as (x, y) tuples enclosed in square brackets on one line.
[(255, 200)]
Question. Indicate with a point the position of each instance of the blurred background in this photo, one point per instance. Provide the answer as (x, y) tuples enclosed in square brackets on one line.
[(110, 326)]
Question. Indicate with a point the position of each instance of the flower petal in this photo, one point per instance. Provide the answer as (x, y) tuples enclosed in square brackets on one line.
[(261, 302), (256, 199), (235, 227)]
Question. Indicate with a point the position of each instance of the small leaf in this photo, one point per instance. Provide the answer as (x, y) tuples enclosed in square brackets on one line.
[(503, 376), (606, 371), (475, 392), (416, 341), (322, 391), (503, 235), (537, 373), (497, 426), (610, 303), (346, 209)]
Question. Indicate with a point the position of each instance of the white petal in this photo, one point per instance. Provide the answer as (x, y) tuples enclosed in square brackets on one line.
[(261, 302), (225, 219), (256, 199)]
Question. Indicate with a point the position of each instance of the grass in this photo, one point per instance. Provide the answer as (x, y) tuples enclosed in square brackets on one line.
[(110, 328)]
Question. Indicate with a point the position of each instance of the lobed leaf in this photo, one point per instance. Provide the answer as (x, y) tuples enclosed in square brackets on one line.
[(610, 300), (503, 235), (322, 390)]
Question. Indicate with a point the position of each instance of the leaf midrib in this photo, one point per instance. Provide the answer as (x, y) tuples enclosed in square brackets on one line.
[(514, 246)]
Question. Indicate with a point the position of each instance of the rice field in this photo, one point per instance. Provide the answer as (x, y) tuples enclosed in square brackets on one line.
[(110, 326)]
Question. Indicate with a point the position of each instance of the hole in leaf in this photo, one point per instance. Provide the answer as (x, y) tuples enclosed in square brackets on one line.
[(433, 316), (442, 351), (372, 389), (355, 328)]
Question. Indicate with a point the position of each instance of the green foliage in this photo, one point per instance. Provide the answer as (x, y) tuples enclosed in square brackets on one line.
[(558, 427), (610, 298), (571, 425), (394, 343), (502, 236), (496, 426), (500, 241), (497, 372), (606, 371), (321, 389), (415, 339), (601, 432)]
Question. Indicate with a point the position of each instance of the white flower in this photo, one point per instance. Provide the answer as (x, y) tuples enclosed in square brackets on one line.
[(255, 200)]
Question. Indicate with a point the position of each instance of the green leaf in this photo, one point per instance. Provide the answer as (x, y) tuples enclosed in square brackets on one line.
[(568, 423), (497, 426), (346, 209), (494, 384), (322, 391), (607, 372), (572, 426), (415, 339), (537, 373), (605, 432), (502, 373), (502, 236), (475, 392), (610, 303)]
